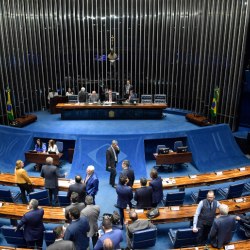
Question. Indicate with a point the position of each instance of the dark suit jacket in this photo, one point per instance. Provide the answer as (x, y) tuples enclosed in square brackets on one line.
[(143, 196), (77, 232), (92, 185), (221, 231), (51, 174), (62, 245), (156, 185), (110, 157), (32, 222), (79, 188), (130, 175), (79, 205), (124, 195), (82, 96)]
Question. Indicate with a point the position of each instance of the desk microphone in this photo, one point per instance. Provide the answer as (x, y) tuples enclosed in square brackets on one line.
[(237, 206)]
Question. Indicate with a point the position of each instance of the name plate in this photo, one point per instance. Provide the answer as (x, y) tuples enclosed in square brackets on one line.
[(136, 181), (229, 247), (1, 204), (242, 169), (139, 211), (219, 173), (193, 176), (175, 208), (239, 200)]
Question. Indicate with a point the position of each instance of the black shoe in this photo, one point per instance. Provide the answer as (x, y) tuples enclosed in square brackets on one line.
[(114, 186), (116, 206)]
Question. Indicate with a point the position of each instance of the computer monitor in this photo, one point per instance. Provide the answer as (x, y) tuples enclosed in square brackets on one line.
[(73, 98), (163, 151), (52, 153), (182, 149)]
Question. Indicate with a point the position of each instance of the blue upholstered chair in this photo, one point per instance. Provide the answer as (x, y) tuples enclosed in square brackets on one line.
[(175, 199), (177, 144), (59, 145), (144, 238), (8, 196), (49, 237), (63, 200), (183, 237), (201, 194), (13, 237), (42, 197), (233, 191)]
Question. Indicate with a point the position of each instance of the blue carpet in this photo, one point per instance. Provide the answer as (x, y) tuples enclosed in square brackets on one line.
[(209, 146)]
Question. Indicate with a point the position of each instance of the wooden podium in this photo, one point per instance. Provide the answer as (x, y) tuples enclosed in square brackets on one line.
[(23, 121), (198, 119)]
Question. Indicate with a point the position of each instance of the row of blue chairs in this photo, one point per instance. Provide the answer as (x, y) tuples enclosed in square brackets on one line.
[(172, 198), (140, 239)]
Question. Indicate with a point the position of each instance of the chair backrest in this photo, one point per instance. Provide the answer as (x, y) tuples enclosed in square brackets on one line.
[(158, 147), (144, 238), (235, 190), (202, 194), (42, 197), (185, 237), (59, 145), (13, 237), (160, 98), (146, 98), (8, 196), (175, 199), (63, 200), (177, 144), (49, 237)]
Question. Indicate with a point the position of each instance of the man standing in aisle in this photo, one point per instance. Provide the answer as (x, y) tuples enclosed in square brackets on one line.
[(92, 182), (111, 161), (204, 217)]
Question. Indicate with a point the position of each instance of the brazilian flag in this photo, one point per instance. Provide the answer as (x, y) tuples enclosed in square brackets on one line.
[(10, 113), (215, 102)]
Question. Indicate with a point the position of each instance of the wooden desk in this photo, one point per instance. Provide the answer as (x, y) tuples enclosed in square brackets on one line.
[(239, 245), (16, 211), (202, 179), (40, 158), (14, 248), (81, 111), (172, 158), (186, 212), (38, 182)]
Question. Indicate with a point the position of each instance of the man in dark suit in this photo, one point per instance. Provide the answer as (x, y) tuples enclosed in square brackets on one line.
[(60, 243), (136, 225), (78, 187), (110, 96), (143, 195), (74, 203), (124, 196), (128, 172), (51, 174), (92, 182), (82, 95), (127, 87), (222, 228), (77, 230), (111, 161), (91, 212), (32, 222), (156, 184)]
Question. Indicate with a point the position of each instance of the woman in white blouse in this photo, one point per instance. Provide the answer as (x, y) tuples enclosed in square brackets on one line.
[(52, 147)]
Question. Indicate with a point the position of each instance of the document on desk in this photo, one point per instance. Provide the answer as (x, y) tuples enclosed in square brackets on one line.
[(229, 247), (175, 208), (193, 176), (63, 183)]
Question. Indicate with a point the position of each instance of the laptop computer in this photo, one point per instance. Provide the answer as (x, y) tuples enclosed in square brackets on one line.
[(52, 153)]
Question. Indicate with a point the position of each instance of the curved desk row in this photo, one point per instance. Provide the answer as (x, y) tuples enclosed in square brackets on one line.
[(202, 179), (186, 212)]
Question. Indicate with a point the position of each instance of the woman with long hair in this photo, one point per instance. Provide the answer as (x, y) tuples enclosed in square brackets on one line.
[(22, 180)]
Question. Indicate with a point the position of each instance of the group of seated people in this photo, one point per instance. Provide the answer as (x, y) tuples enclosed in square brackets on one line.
[(40, 147)]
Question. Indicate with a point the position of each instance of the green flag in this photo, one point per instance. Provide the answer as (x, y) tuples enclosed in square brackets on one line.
[(215, 101), (10, 113)]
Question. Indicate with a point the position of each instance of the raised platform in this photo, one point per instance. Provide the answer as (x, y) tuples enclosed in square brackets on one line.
[(87, 111)]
